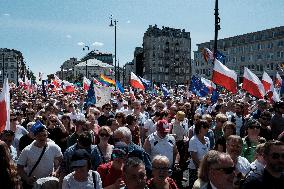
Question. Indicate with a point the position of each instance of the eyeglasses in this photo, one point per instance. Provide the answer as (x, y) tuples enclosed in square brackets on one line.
[(104, 135), (226, 170), (254, 127), (277, 156)]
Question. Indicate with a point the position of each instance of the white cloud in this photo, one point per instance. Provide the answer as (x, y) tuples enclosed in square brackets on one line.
[(68, 36), (6, 14), (80, 43), (128, 21), (98, 44)]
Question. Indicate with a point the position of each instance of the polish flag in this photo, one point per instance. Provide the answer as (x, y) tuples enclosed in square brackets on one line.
[(86, 84), (224, 76), (56, 81), (252, 84), (278, 81), (68, 87), (135, 82), (96, 82), (5, 107), (21, 83), (267, 82)]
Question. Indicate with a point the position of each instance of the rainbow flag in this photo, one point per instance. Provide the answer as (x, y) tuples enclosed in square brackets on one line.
[(107, 80)]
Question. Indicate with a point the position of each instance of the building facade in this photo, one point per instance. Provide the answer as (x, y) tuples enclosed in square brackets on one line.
[(94, 68), (67, 69), (259, 51), (104, 57), (138, 61), (128, 68), (167, 55), (14, 66)]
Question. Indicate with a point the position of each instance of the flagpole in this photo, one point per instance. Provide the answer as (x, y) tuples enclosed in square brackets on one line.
[(217, 27), (3, 75)]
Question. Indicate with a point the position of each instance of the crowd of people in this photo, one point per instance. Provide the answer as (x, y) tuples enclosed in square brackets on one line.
[(141, 140)]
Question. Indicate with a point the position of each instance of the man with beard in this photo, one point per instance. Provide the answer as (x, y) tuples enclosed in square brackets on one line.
[(273, 175)]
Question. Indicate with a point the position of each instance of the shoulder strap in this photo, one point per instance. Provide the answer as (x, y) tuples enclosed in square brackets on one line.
[(102, 155), (36, 164), (94, 179)]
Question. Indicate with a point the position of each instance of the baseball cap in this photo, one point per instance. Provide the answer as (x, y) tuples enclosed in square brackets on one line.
[(163, 126), (37, 128)]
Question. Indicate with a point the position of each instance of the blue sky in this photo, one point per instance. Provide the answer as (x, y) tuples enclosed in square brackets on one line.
[(48, 32)]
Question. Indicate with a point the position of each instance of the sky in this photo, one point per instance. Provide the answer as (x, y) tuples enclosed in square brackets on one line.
[(49, 32)]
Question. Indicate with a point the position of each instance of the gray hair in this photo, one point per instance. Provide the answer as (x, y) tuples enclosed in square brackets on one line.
[(125, 132)]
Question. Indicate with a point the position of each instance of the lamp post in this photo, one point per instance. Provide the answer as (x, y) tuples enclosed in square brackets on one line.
[(17, 57), (111, 25), (3, 69), (217, 27), (86, 48)]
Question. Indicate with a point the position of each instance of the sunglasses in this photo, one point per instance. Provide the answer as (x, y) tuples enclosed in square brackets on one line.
[(277, 156), (104, 135), (226, 170), (254, 127)]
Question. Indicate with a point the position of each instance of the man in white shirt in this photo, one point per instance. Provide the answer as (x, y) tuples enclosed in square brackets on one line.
[(49, 162)]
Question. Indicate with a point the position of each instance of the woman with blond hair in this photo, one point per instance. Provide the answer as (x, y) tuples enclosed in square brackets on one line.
[(104, 147)]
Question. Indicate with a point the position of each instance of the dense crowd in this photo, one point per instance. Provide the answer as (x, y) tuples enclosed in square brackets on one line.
[(141, 140)]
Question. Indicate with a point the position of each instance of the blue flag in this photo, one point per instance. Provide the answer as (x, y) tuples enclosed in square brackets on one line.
[(221, 57), (119, 86), (165, 90), (198, 87), (35, 127), (91, 97), (215, 96), (146, 83)]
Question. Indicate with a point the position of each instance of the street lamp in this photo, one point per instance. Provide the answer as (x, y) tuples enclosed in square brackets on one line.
[(217, 27), (86, 48), (111, 25), (17, 57), (3, 75)]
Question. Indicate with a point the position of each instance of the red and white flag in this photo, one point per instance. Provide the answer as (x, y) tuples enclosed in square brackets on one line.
[(68, 87), (224, 76), (267, 82), (96, 82), (86, 84), (56, 81), (135, 82), (5, 107), (252, 84), (278, 81)]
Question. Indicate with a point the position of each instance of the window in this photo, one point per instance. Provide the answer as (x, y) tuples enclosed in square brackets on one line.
[(242, 58), (280, 43), (261, 68), (259, 47), (259, 57), (252, 67), (270, 45), (271, 66)]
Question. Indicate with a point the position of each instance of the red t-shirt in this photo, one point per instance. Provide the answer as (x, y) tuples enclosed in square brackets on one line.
[(108, 174), (172, 184)]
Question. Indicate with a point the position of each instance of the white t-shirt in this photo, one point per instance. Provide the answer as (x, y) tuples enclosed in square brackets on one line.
[(196, 146), (30, 155), (180, 129), (243, 165), (150, 126), (70, 183)]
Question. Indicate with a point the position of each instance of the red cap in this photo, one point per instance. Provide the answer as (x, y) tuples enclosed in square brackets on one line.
[(163, 126)]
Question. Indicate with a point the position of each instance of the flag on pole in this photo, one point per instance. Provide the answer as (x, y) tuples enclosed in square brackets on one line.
[(224, 76), (135, 82), (252, 84), (86, 83), (207, 54), (146, 83), (91, 98), (119, 86), (267, 82), (5, 107), (278, 81), (107, 80)]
